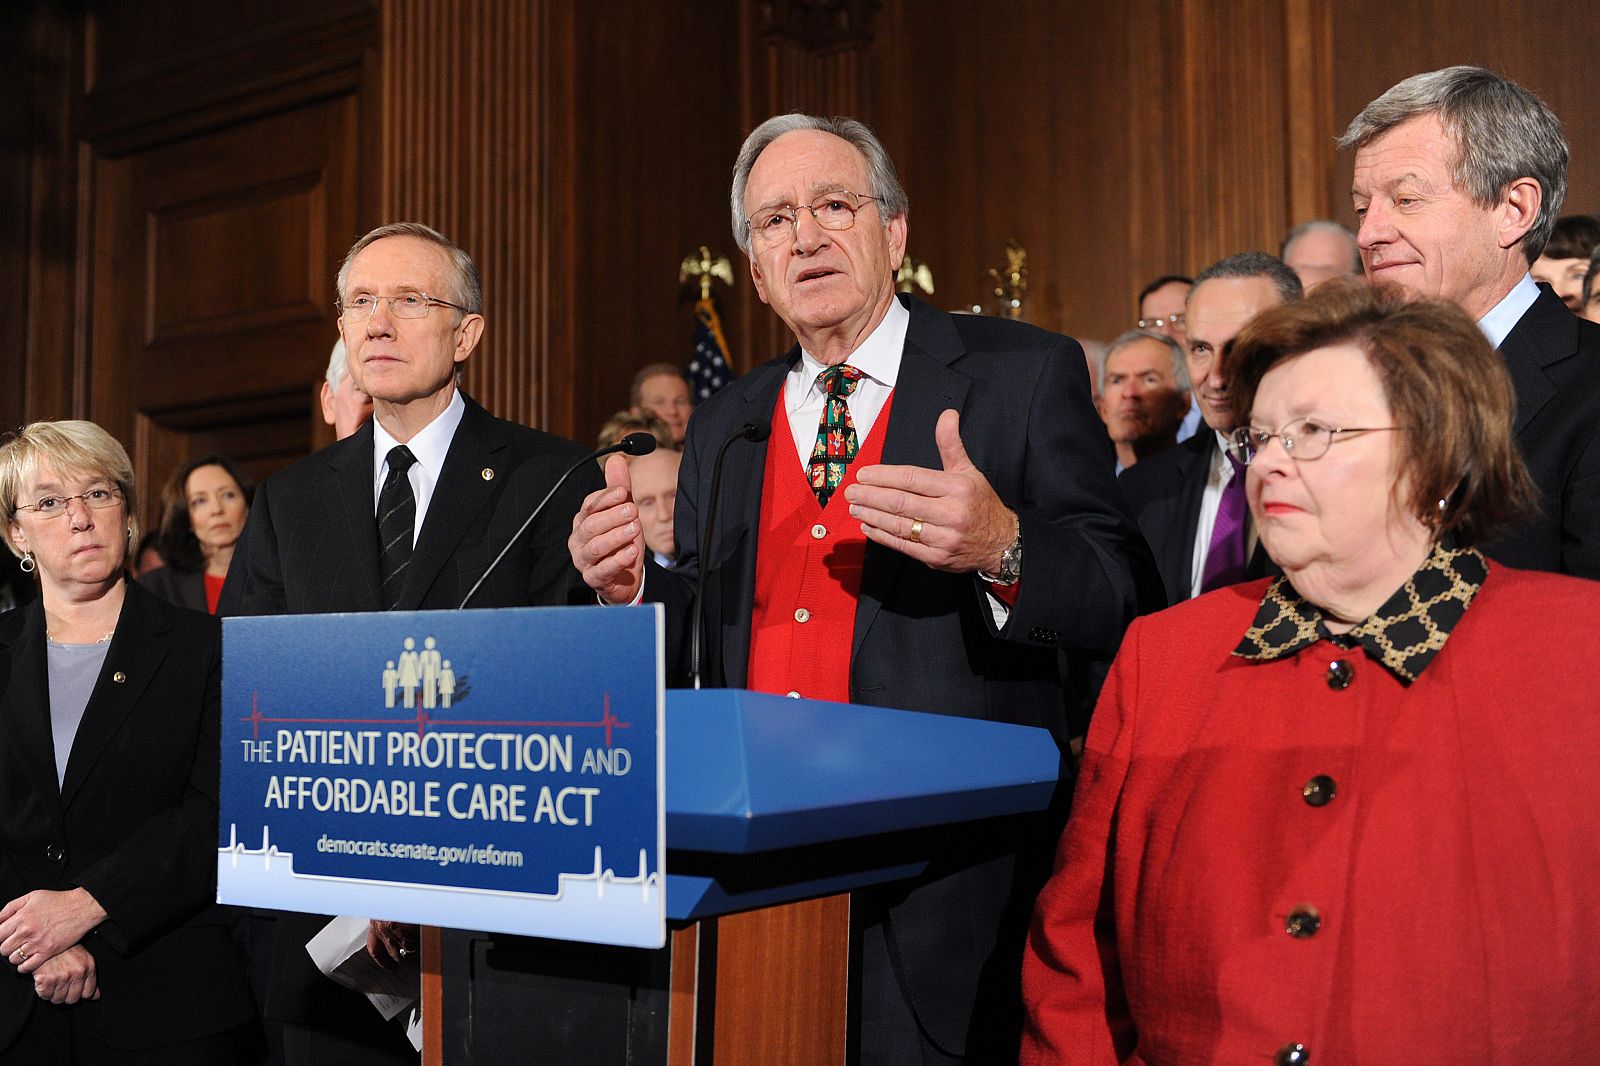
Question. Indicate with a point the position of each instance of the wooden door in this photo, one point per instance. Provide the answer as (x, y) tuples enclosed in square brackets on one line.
[(212, 260)]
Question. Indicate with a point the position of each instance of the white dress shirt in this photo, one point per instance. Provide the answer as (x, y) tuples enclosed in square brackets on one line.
[(429, 446), (1504, 316), (878, 359)]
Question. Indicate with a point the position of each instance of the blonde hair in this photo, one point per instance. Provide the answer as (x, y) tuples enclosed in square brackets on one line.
[(71, 447), (623, 423)]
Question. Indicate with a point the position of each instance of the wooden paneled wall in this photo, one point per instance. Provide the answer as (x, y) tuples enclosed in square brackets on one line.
[(461, 114), (182, 177)]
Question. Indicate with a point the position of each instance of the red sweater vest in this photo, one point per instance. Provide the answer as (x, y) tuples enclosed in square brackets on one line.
[(808, 573)]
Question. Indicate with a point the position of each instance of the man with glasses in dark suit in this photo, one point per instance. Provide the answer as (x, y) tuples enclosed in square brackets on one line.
[(404, 514)]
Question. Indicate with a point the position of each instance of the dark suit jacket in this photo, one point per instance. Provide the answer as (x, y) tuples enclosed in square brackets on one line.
[(1554, 359), (181, 588), (310, 546), (1164, 492), (134, 822), (925, 640)]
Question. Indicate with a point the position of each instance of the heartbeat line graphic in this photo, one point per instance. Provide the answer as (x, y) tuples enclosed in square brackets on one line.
[(422, 719)]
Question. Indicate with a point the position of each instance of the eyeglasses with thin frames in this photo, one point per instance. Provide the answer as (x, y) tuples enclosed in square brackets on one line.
[(364, 305), (1175, 320), (1303, 439), (54, 506), (833, 211)]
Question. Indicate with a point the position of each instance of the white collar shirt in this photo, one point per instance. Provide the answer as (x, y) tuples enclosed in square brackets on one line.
[(429, 446), (1504, 316), (1218, 478), (878, 359)]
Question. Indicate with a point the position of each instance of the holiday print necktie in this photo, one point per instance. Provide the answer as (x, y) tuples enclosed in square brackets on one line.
[(836, 434)]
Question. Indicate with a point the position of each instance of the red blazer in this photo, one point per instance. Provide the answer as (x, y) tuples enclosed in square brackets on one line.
[(1455, 873)]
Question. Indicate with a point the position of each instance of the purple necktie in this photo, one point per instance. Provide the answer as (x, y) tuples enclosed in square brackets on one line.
[(1225, 559)]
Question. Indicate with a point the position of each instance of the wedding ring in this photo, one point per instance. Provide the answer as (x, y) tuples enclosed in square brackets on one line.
[(22, 955), (916, 531)]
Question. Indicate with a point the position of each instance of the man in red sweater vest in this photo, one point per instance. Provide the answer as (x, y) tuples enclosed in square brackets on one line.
[(871, 549)]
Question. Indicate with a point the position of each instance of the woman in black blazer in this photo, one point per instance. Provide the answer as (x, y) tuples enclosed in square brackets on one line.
[(204, 507), (109, 717)]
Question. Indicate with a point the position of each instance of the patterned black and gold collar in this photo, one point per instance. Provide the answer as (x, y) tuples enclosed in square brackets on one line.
[(1403, 635)]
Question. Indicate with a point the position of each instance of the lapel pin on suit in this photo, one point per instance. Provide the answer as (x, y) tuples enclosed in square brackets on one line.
[(487, 474)]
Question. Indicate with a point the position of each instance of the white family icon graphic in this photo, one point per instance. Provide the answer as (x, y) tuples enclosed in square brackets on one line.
[(426, 670)]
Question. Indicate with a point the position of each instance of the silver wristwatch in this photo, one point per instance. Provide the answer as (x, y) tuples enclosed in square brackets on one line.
[(1010, 564)]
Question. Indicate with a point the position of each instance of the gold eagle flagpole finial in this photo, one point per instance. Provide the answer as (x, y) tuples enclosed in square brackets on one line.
[(914, 273), (704, 266), (1011, 287)]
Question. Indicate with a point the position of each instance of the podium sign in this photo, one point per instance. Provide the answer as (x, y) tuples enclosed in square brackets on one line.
[(496, 770)]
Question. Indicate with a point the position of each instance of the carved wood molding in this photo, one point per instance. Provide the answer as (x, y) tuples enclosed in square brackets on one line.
[(263, 70)]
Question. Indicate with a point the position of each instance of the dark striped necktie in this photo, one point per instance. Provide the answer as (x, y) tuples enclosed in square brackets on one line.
[(397, 520)]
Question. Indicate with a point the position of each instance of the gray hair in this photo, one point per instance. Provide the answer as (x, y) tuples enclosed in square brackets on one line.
[(1180, 368), (338, 365), (880, 168), (1502, 132), (466, 289), (1323, 225), (1254, 265), (71, 447)]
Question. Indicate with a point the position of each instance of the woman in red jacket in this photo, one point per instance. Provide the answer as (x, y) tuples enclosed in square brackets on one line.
[(1350, 815)]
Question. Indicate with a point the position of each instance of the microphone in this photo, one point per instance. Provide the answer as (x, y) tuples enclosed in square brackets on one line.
[(632, 444), (755, 432)]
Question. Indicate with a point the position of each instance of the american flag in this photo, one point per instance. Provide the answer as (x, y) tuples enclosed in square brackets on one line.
[(708, 368)]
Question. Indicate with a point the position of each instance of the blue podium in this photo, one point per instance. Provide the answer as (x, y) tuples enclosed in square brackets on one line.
[(750, 774), (776, 809)]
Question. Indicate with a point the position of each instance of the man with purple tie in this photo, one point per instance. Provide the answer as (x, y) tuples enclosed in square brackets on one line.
[(1189, 500)]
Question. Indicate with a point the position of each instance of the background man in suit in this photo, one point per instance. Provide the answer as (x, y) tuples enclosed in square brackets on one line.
[(344, 405), (1161, 310), (1189, 500), (655, 490), (872, 548), (1459, 178), (660, 389), (1144, 394), (404, 514)]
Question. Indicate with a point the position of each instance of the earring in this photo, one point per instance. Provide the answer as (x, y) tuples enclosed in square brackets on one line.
[(28, 565)]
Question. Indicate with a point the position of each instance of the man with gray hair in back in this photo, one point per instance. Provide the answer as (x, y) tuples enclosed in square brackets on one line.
[(1189, 501), (344, 406), (1143, 394), (1319, 250), (1459, 177)]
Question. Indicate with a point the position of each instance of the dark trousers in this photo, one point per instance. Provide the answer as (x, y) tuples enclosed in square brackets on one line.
[(890, 1035), (52, 1038), (303, 1046)]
